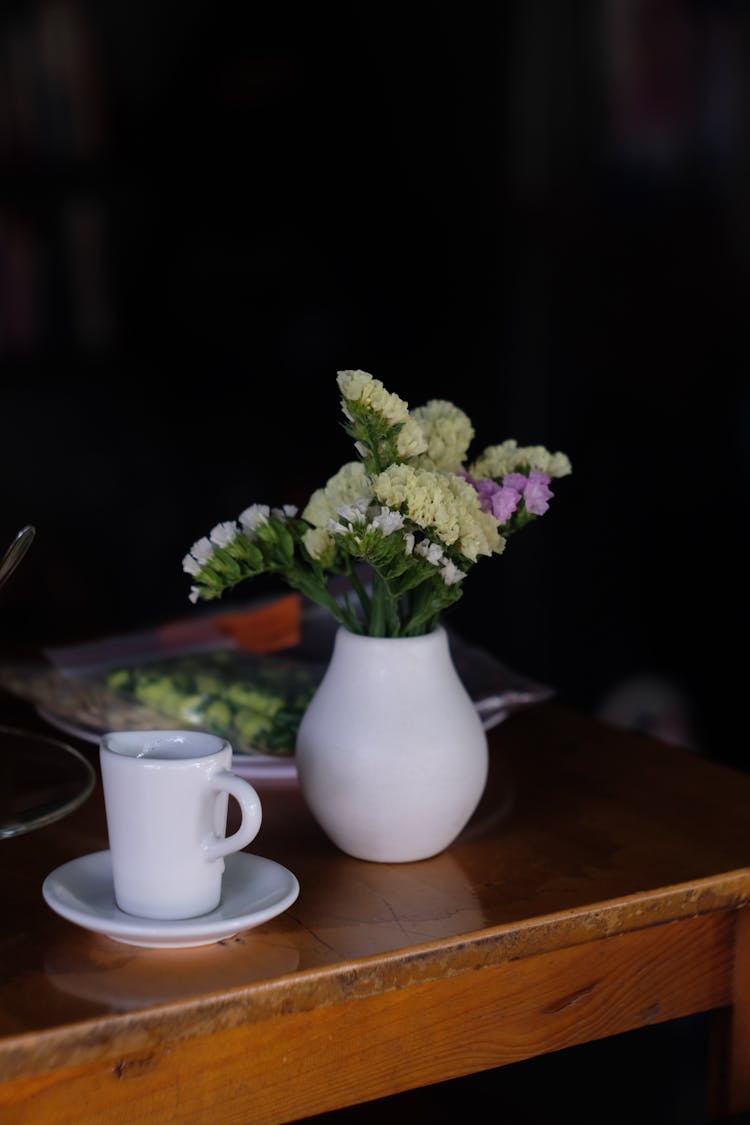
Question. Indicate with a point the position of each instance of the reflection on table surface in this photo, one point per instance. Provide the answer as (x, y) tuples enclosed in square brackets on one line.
[(561, 826)]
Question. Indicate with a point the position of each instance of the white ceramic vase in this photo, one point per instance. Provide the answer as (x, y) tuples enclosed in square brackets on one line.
[(391, 753)]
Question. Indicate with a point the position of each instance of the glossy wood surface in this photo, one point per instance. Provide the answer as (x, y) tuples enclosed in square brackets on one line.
[(600, 886)]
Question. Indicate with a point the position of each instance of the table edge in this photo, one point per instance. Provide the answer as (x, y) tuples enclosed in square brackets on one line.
[(32, 1052)]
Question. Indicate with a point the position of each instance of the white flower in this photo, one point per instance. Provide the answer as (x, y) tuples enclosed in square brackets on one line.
[(335, 528), (353, 513), (223, 534), (199, 554), (387, 521), (253, 517), (432, 552), (288, 512), (202, 549), (194, 594), (451, 574)]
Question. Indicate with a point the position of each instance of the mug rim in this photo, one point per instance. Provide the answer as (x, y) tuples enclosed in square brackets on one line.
[(130, 740)]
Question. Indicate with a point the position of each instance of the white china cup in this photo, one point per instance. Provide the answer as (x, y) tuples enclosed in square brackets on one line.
[(166, 796)]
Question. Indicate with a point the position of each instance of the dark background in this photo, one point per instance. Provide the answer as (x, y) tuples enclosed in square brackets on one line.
[(538, 211)]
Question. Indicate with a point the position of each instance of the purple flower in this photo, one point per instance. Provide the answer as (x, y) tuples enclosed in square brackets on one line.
[(500, 501), (516, 480), (536, 494)]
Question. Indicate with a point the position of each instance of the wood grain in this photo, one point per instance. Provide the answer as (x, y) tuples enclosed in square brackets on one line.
[(601, 886), (353, 1050)]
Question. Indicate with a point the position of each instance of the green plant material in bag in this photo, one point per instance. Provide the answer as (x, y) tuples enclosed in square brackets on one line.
[(256, 702)]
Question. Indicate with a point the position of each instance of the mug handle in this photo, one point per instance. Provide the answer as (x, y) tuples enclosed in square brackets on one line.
[(249, 802)]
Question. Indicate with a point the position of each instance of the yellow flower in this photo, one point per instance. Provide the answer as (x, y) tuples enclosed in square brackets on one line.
[(359, 386), (411, 440), (320, 545), (404, 523), (497, 460), (346, 486), (443, 504), (448, 432), (478, 531)]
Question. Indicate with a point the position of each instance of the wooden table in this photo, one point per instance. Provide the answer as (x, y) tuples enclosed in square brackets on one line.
[(602, 885)]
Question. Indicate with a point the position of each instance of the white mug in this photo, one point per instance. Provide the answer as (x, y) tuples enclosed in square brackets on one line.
[(166, 796)]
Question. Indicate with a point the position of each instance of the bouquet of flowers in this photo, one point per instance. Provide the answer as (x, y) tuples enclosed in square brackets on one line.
[(404, 522)]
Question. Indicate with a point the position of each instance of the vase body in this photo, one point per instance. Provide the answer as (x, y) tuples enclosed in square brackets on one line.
[(391, 753)]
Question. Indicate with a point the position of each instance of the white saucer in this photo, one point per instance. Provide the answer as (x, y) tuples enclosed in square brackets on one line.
[(253, 891)]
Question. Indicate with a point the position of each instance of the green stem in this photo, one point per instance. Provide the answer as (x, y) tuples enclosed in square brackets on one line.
[(384, 618), (319, 593), (377, 607), (364, 598)]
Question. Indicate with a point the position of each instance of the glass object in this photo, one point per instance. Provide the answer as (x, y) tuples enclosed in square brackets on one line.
[(41, 780)]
